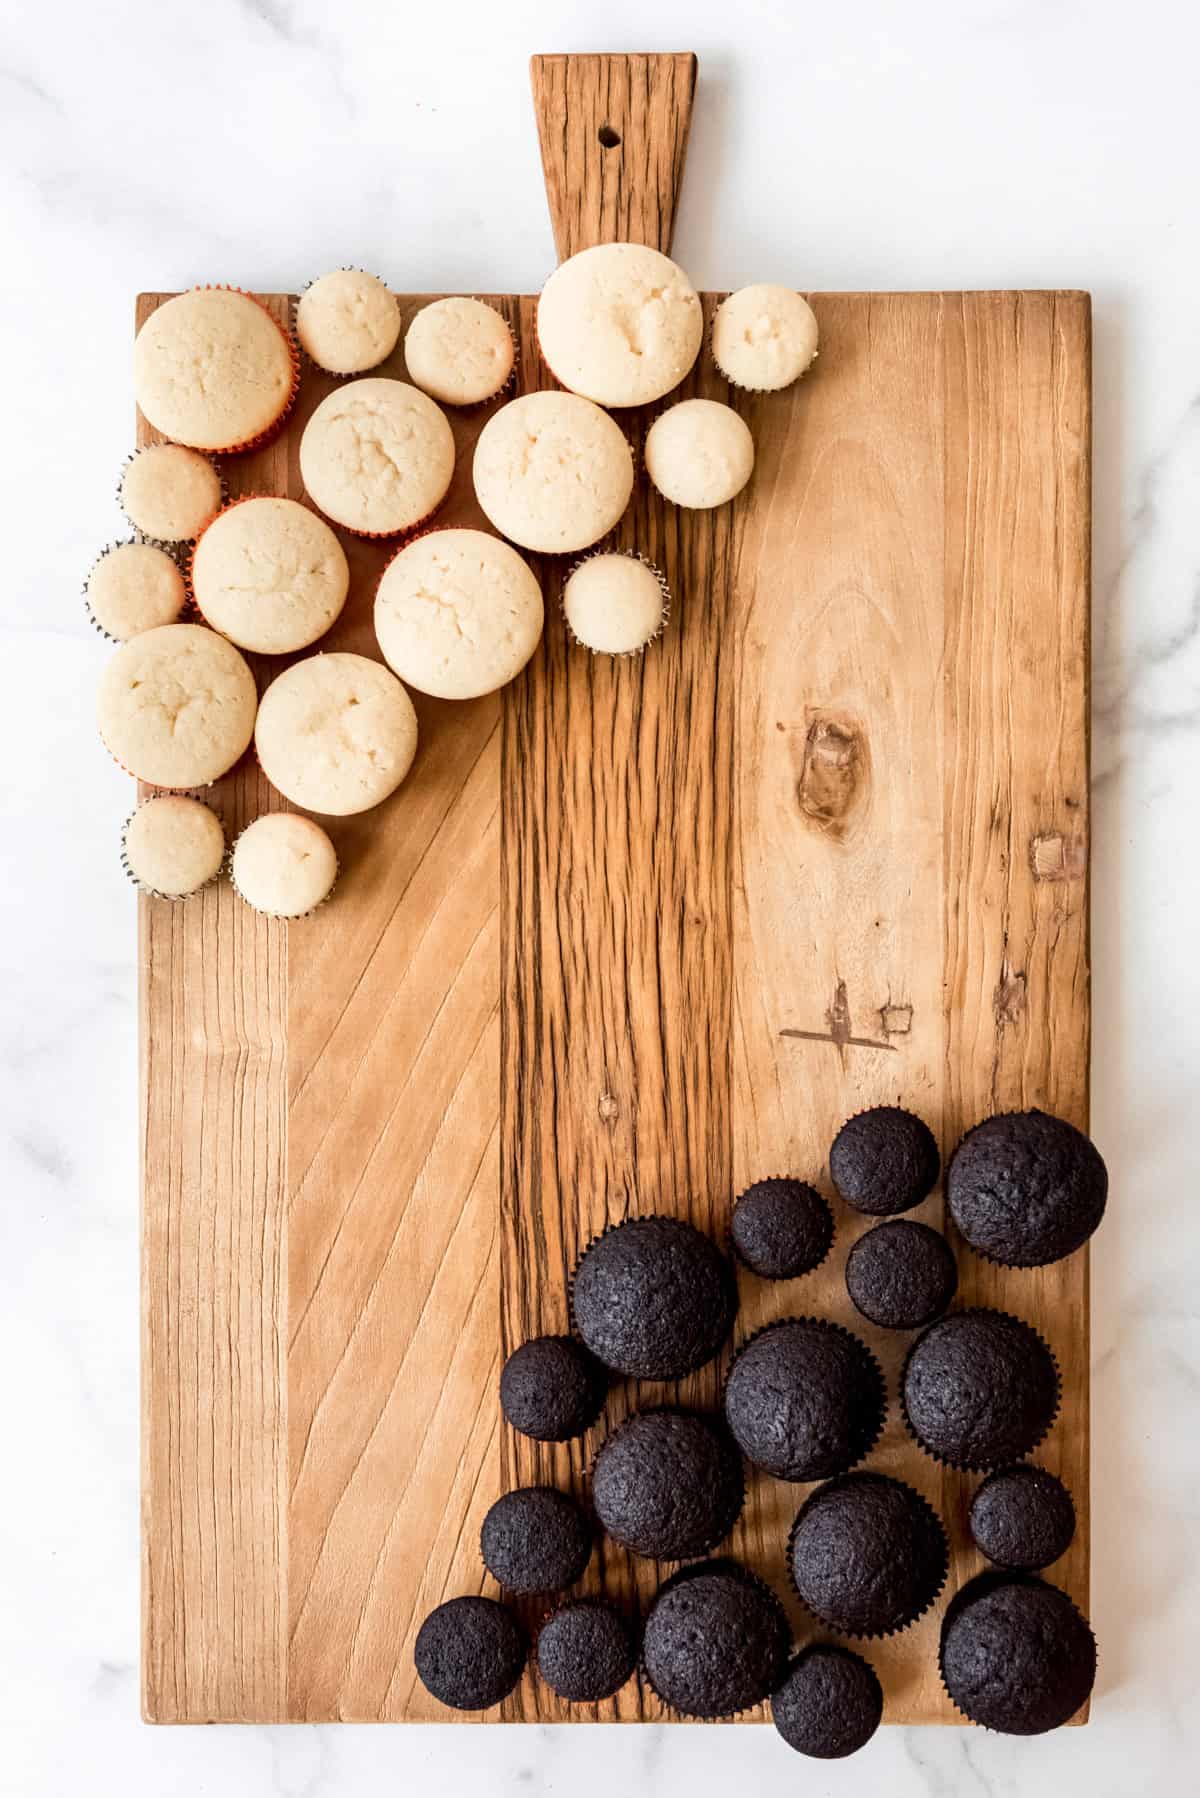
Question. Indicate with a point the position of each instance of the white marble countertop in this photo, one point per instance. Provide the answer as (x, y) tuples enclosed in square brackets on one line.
[(944, 143)]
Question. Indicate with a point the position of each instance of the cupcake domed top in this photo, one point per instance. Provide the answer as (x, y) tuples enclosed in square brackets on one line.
[(654, 1298), (620, 324), (212, 369)]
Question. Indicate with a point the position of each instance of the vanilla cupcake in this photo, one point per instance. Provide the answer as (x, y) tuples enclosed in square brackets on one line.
[(169, 493), (458, 614), (460, 351), (764, 337), (553, 472), (172, 846), (620, 324), (377, 456), (213, 370), (176, 706), (699, 454), (347, 322), (615, 603), (283, 865), (336, 733), (270, 575), (134, 587)]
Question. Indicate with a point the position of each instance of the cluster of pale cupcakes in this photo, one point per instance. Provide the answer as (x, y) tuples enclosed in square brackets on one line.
[(205, 580)]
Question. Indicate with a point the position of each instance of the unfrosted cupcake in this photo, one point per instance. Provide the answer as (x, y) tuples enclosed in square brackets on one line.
[(377, 456), (764, 337), (699, 454), (347, 322), (270, 575), (176, 706), (169, 493), (615, 603), (172, 846), (460, 351), (134, 587), (336, 733), (283, 865), (213, 370), (458, 614), (553, 472), (620, 324)]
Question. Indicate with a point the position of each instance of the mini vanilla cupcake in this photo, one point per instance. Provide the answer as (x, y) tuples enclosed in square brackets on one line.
[(134, 587), (615, 603), (347, 322), (283, 865), (460, 351), (377, 456), (336, 733), (172, 846), (553, 472), (270, 575), (458, 613), (764, 337), (213, 370), (699, 454), (176, 706), (620, 324), (169, 493)]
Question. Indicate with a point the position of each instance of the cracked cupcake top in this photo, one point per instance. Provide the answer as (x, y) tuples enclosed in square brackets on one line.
[(764, 337), (377, 456), (212, 369), (458, 613), (620, 324), (270, 575), (553, 472), (176, 706), (336, 733)]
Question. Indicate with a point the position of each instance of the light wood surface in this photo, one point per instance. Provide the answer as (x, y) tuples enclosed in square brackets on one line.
[(631, 935)]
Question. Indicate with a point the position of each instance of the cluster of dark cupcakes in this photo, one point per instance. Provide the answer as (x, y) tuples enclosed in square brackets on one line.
[(804, 1400)]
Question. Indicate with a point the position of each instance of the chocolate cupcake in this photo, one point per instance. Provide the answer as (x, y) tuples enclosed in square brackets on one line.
[(653, 1298), (867, 1554), (716, 1640), (805, 1399), (1016, 1655), (551, 1389), (781, 1228), (901, 1275), (535, 1540), (668, 1484), (884, 1160), (1025, 1189), (830, 1703), (585, 1651), (979, 1388), (470, 1653), (1022, 1517)]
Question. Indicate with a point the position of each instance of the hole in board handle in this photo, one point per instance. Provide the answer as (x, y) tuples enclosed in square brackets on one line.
[(608, 137)]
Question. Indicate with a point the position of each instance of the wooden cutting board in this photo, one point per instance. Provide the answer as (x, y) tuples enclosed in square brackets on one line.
[(630, 936)]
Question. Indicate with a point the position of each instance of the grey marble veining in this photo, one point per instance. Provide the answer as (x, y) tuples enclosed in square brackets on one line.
[(946, 143)]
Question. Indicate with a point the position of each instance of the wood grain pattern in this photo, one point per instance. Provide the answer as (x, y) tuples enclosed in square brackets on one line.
[(631, 935)]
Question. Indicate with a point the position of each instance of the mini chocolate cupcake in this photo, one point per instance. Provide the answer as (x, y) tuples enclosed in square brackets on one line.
[(978, 1389), (901, 1275), (781, 1228), (551, 1389), (716, 1640), (535, 1540), (884, 1160), (668, 1484), (805, 1399), (585, 1651), (1016, 1655), (1026, 1189), (470, 1653), (830, 1703), (867, 1554), (1022, 1517), (653, 1298)]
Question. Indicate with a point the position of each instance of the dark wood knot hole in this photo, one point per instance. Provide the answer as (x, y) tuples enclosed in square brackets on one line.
[(608, 137)]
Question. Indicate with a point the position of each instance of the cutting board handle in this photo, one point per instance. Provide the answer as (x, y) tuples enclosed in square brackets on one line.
[(613, 131)]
